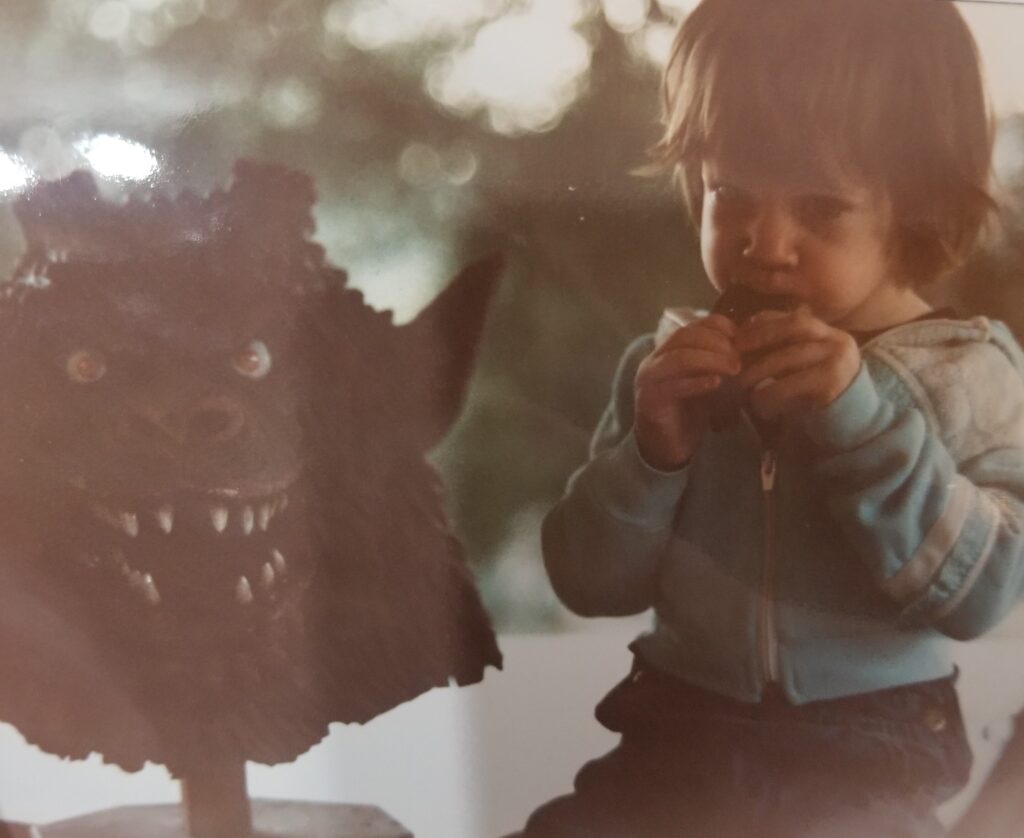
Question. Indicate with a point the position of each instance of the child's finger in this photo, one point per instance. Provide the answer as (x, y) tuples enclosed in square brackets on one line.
[(804, 390), (697, 335), (720, 323), (783, 362), (763, 332), (687, 363), (776, 398), (767, 314), (685, 388)]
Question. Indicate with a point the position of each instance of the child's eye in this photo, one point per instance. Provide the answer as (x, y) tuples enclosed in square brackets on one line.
[(822, 209), (729, 197)]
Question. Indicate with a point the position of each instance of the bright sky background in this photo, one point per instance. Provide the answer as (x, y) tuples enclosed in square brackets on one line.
[(999, 30)]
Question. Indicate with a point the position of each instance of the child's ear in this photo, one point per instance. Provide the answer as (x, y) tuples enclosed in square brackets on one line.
[(918, 253)]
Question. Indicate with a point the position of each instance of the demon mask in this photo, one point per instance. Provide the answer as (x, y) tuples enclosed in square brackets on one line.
[(219, 529)]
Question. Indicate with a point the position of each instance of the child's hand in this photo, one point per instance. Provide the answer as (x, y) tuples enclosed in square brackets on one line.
[(803, 362), (670, 415)]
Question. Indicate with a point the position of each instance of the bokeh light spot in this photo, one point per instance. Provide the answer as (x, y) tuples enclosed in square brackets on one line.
[(377, 24), (14, 174), (653, 43), (626, 15), (419, 164), (524, 69), (183, 13), (677, 8), (291, 104), (459, 164), (117, 157), (109, 21)]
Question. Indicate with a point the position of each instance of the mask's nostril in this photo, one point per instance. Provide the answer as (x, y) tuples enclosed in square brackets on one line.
[(214, 422), (208, 420), (209, 423)]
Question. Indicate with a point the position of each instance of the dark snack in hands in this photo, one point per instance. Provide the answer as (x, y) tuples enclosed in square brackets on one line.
[(739, 304)]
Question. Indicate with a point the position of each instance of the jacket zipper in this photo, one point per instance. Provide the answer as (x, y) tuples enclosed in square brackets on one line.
[(769, 644)]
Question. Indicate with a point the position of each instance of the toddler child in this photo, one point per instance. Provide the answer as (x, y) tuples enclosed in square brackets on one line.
[(808, 564)]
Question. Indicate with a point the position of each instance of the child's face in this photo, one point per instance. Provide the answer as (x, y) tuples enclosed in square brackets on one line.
[(824, 241)]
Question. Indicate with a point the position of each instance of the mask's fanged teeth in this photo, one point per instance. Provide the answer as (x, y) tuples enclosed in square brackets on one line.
[(165, 518), (150, 591), (219, 518), (267, 576), (282, 504), (264, 516), (243, 591), (247, 519), (129, 522), (144, 583), (280, 565)]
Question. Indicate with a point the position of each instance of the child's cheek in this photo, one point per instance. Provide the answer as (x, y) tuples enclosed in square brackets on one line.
[(714, 255)]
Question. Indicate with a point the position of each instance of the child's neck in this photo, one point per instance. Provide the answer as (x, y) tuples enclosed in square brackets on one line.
[(897, 305)]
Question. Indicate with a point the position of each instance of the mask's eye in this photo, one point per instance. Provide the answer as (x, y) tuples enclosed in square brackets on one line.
[(252, 360), (85, 366)]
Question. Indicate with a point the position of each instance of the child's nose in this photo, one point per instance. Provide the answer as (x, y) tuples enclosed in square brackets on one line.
[(771, 238)]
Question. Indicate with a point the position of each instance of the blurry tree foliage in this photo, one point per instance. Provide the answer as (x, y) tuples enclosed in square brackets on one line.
[(436, 131)]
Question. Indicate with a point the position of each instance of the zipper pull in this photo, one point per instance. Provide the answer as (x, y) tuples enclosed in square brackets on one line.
[(769, 460)]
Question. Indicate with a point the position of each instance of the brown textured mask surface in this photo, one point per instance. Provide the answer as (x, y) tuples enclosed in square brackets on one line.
[(221, 533)]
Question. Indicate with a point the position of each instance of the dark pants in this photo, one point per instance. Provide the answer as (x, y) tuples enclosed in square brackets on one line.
[(691, 763)]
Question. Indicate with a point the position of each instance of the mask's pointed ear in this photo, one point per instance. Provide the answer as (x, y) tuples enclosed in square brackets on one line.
[(439, 347)]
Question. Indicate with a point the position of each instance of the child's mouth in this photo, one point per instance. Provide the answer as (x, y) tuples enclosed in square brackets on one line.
[(739, 303)]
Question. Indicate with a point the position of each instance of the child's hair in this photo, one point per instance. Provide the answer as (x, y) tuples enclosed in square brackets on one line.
[(889, 91)]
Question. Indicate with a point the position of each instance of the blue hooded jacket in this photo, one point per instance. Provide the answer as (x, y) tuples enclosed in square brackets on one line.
[(839, 561)]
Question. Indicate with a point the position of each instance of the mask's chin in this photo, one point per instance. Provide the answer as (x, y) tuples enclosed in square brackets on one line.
[(189, 608)]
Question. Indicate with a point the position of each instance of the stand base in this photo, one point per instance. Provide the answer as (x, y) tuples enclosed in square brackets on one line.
[(9, 829), (271, 819)]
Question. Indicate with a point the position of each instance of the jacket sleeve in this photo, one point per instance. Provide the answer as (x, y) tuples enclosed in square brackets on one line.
[(927, 482), (602, 541)]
